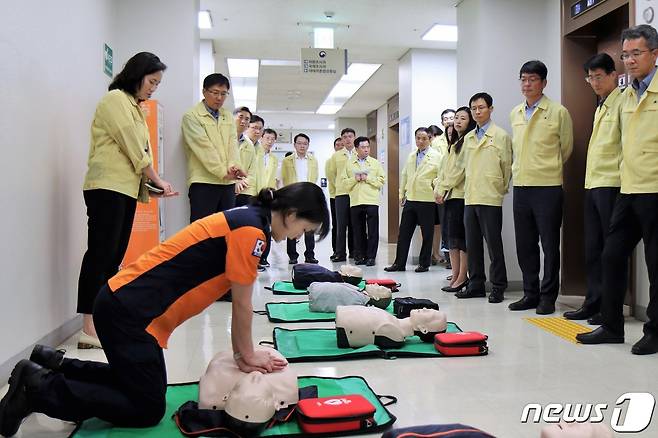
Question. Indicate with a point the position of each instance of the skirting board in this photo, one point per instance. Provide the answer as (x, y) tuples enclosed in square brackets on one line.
[(52, 339)]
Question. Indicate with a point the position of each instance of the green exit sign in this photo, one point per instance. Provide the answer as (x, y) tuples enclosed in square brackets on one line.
[(107, 60)]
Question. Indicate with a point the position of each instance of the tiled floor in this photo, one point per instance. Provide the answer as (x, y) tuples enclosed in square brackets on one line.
[(525, 364)]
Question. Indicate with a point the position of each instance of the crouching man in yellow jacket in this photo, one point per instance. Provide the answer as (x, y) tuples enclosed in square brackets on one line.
[(363, 178)]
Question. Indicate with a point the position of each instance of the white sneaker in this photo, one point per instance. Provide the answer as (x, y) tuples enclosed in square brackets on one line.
[(86, 342)]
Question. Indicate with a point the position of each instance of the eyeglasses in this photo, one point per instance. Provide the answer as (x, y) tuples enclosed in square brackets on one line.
[(594, 78), (634, 54), (215, 93), (530, 80)]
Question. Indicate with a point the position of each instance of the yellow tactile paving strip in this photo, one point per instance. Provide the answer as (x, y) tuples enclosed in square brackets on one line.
[(560, 327)]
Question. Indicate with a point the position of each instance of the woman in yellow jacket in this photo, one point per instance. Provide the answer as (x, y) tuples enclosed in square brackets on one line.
[(449, 190), (363, 179), (119, 165)]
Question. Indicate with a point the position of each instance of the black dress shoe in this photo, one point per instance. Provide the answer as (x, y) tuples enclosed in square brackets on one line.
[(394, 268), (647, 345), (360, 262), (582, 313), (339, 259), (47, 357), (292, 261), (15, 406), (312, 260), (545, 308), (370, 262), (448, 266), (456, 288), (496, 296), (470, 294), (421, 268), (600, 336), (351, 256), (524, 303), (595, 320)]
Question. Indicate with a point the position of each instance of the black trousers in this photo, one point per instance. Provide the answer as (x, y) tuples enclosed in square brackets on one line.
[(110, 220), (263, 258), (242, 199), (128, 391), (365, 223), (634, 217), (485, 221), (538, 217), (416, 213), (207, 199), (332, 207), (599, 204), (344, 226), (309, 241)]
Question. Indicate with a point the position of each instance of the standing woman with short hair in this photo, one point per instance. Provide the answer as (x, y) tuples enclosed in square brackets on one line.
[(119, 165), (450, 190)]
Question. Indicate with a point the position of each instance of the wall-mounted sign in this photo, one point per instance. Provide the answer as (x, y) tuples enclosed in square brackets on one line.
[(326, 62), (107, 60), (581, 6)]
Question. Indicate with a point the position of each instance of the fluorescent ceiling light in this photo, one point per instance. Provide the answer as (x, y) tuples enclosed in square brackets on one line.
[(331, 126), (323, 38), (328, 109), (357, 75), (205, 20), (279, 63), (242, 68), (441, 32)]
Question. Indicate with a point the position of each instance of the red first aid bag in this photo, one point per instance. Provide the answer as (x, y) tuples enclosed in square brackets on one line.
[(335, 414), (461, 344), (386, 282)]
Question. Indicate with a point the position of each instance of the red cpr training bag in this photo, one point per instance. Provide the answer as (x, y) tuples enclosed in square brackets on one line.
[(335, 414), (386, 282), (461, 344)]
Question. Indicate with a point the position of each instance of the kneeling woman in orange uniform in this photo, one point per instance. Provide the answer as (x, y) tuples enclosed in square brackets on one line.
[(136, 311)]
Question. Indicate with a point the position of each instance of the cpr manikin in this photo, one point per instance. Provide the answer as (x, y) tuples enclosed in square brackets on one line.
[(357, 326), (250, 400)]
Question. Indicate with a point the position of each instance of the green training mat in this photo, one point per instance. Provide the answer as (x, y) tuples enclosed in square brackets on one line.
[(287, 288), (180, 393), (300, 312), (317, 345)]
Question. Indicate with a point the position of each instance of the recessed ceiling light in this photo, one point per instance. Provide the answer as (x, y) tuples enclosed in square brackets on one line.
[(280, 62), (357, 75), (323, 38), (205, 20), (441, 32), (242, 68), (331, 126)]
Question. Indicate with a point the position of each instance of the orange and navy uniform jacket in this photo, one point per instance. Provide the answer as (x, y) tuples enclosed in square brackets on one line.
[(188, 272)]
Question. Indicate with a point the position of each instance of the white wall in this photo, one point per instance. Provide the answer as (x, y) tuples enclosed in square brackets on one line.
[(206, 63), (359, 124), (489, 59), (52, 78), (169, 29)]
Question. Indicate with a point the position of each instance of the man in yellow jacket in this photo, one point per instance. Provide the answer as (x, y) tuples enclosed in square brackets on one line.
[(635, 215), (542, 141), (417, 199), (602, 180), (363, 179), (297, 167), (488, 162), (211, 148), (249, 156), (344, 230), (269, 165), (330, 172)]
